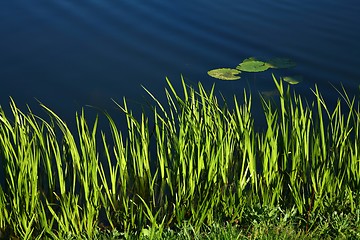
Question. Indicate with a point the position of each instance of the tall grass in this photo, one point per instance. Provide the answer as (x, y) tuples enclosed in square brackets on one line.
[(195, 161)]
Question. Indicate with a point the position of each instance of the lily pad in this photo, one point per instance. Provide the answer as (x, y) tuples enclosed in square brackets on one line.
[(281, 63), (252, 65), (293, 79), (250, 59), (225, 73), (269, 94)]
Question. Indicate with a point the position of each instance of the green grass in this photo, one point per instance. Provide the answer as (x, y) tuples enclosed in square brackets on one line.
[(209, 174)]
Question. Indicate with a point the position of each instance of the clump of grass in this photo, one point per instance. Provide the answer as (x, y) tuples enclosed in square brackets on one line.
[(208, 166)]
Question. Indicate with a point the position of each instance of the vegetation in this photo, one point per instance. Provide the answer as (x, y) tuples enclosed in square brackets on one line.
[(255, 65), (225, 73), (198, 169)]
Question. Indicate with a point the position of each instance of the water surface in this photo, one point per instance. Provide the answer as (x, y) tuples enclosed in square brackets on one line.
[(69, 54)]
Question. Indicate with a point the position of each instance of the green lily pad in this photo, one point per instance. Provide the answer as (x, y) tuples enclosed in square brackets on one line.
[(225, 73), (250, 59), (281, 63), (252, 65), (269, 94), (293, 79)]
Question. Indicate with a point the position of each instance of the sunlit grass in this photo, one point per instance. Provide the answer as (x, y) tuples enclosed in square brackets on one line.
[(207, 166)]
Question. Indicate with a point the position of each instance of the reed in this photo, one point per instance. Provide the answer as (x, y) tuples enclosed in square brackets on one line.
[(193, 161)]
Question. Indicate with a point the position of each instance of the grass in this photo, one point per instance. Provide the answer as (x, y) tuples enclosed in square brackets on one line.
[(193, 169)]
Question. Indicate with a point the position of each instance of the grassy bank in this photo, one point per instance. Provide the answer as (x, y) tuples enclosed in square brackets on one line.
[(208, 167)]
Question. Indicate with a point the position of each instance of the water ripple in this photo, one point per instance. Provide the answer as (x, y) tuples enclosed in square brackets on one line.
[(75, 40)]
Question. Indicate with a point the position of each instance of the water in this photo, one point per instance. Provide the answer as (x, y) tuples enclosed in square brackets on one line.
[(68, 54)]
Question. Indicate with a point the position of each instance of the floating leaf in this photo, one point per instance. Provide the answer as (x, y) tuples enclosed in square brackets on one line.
[(293, 79), (225, 73), (269, 94), (252, 65), (281, 63), (250, 59)]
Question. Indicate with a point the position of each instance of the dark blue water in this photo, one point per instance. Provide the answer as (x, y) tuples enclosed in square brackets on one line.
[(69, 53)]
